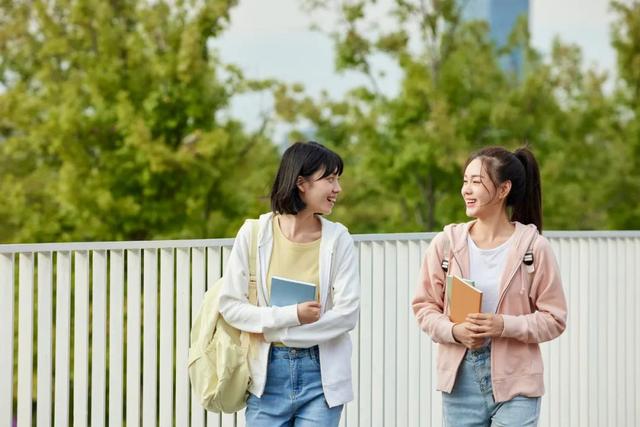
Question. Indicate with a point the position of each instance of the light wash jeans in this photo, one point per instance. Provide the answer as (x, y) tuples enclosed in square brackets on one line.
[(293, 394), (471, 404)]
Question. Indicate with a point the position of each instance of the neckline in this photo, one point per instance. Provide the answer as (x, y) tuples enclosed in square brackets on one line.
[(490, 250), (278, 230)]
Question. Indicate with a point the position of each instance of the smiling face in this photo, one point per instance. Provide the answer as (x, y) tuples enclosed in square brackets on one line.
[(482, 198), (319, 194)]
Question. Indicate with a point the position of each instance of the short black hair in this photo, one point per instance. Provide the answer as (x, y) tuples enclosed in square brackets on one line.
[(301, 159)]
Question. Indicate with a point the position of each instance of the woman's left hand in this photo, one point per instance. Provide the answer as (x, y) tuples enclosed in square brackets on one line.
[(485, 324)]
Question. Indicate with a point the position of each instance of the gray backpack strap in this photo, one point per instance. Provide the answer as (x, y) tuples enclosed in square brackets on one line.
[(445, 255)]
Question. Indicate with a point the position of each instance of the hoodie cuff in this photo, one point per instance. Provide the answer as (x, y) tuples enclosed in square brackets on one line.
[(514, 326), (273, 335), (447, 333), (285, 317)]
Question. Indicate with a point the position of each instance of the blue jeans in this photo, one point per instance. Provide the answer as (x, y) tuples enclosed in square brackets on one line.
[(471, 404), (293, 394)]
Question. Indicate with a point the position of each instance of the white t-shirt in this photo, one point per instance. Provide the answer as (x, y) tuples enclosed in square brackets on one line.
[(486, 267)]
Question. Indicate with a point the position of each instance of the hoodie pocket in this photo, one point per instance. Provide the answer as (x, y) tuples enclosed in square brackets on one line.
[(336, 360), (516, 359)]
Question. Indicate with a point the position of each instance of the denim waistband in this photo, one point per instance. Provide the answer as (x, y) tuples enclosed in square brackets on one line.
[(281, 352)]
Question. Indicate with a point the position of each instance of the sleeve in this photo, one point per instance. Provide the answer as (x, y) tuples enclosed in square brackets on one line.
[(548, 320), (234, 295), (428, 302), (342, 316)]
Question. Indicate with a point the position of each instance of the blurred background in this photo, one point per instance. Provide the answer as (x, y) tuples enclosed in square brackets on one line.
[(135, 120)]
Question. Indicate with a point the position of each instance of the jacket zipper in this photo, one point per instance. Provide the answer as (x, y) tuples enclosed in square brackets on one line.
[(504, 292)]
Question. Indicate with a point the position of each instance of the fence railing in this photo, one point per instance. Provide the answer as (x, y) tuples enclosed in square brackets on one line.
[(97, 334)]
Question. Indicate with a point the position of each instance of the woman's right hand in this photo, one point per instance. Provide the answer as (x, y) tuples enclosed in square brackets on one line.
[(464, 335), (308, 312)]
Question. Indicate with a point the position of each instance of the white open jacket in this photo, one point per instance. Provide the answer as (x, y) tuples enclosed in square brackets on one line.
[(339, 298)]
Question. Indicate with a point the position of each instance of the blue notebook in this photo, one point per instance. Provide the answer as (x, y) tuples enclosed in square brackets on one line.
[(288, 292)]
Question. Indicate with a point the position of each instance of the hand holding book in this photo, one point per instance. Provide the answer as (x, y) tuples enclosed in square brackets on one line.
[(463, 300), (286, 291), (464, 335), (472, 327), (308, 312), (485, 325)]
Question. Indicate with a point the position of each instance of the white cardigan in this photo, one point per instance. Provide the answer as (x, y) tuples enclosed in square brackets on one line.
[(339, 297)]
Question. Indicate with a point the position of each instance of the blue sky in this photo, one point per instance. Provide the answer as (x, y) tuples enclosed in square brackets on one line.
[(272, 38)]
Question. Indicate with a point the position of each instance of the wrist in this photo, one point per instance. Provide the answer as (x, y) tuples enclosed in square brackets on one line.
[(453, 333)]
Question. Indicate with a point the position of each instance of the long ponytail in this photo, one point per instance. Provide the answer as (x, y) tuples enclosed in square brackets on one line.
[(528, 209), (521, 168)]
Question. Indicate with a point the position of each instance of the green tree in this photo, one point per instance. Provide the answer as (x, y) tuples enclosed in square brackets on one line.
[(406, 151), (114, 123), (624, 183)]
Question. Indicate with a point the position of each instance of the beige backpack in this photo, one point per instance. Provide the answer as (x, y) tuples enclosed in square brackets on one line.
[(218, 355)]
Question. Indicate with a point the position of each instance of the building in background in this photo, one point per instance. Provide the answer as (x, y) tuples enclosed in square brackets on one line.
[(501, 15)]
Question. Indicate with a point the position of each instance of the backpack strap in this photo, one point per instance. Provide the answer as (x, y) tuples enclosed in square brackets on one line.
[(253, 249), (445, 260), (527, 259), (528, 256)]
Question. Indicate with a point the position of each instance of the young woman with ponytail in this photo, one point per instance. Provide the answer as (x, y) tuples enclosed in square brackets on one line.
[(490, 366)]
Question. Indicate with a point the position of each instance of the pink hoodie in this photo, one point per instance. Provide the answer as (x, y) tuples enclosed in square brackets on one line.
[(532, 304)]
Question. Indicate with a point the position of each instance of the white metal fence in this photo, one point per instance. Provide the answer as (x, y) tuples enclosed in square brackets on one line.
[(101, 332)]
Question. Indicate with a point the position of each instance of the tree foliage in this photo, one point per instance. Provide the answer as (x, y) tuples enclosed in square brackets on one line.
[(406, 150), (113, 123), (114, 120)]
